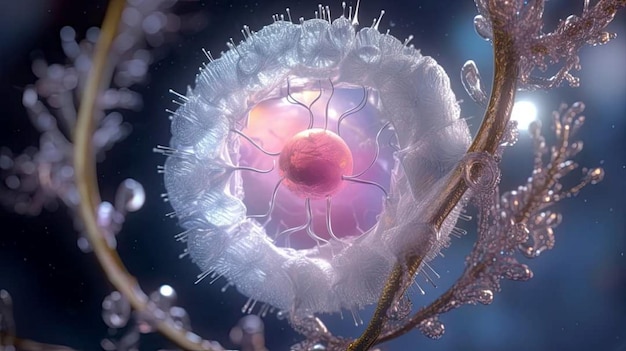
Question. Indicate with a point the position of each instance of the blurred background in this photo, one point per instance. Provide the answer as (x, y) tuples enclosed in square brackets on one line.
[(576, 300)]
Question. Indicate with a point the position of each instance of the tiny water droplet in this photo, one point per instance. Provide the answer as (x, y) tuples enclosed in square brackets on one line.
[(596, 175), (401, 309), (519, 272), (130, 196), (485, 297), (280, 315), (432, 328), (115, 310)]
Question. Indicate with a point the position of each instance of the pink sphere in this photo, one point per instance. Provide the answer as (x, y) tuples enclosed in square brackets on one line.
[(313, 162)]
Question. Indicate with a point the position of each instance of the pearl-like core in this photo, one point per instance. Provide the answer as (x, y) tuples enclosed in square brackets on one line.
[(313, 163)]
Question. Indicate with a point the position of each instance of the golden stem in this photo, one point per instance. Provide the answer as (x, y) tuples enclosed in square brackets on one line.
[(378, 319), (429, 311), (85, 168), (488, 138)]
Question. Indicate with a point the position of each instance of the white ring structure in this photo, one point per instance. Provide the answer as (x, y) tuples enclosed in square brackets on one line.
[(207, 195)]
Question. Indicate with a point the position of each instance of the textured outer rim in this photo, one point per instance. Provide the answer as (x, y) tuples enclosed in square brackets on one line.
[(414, 94)]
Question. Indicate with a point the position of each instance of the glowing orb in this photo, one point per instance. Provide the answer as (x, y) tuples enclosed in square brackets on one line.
[(314, 162), (227, 223), (524, 112)]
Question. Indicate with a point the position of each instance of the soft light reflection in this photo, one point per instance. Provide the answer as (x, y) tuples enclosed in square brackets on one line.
[(166, 290), (524, 112)]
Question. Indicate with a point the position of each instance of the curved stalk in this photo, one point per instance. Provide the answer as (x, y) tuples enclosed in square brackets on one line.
[(497, 115), (85, 168)]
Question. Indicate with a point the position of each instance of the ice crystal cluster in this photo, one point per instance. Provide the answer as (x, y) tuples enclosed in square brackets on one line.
[(510, 223)]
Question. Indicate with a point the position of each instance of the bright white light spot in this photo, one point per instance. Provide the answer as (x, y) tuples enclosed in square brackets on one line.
[(524, 112), (332, 113), (166, 290)]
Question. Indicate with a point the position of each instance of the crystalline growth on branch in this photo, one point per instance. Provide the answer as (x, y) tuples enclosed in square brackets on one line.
[(542, 51)]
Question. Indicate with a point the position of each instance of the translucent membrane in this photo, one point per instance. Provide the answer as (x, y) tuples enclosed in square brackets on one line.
[(215, 133)]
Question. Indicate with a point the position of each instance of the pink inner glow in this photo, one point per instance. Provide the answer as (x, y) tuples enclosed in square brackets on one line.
[(275, 124)]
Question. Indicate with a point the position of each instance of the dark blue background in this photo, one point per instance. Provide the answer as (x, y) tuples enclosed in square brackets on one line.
[(576, 300)]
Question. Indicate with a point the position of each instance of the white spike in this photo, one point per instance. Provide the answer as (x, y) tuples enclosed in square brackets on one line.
[(202, 275), (184, 254), (179, 95), (288, 14), (355, 19), (208, 55), (377, 21), (408, 39)]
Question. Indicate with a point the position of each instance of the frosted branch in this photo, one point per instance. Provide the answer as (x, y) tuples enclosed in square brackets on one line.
[(542, 51)]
